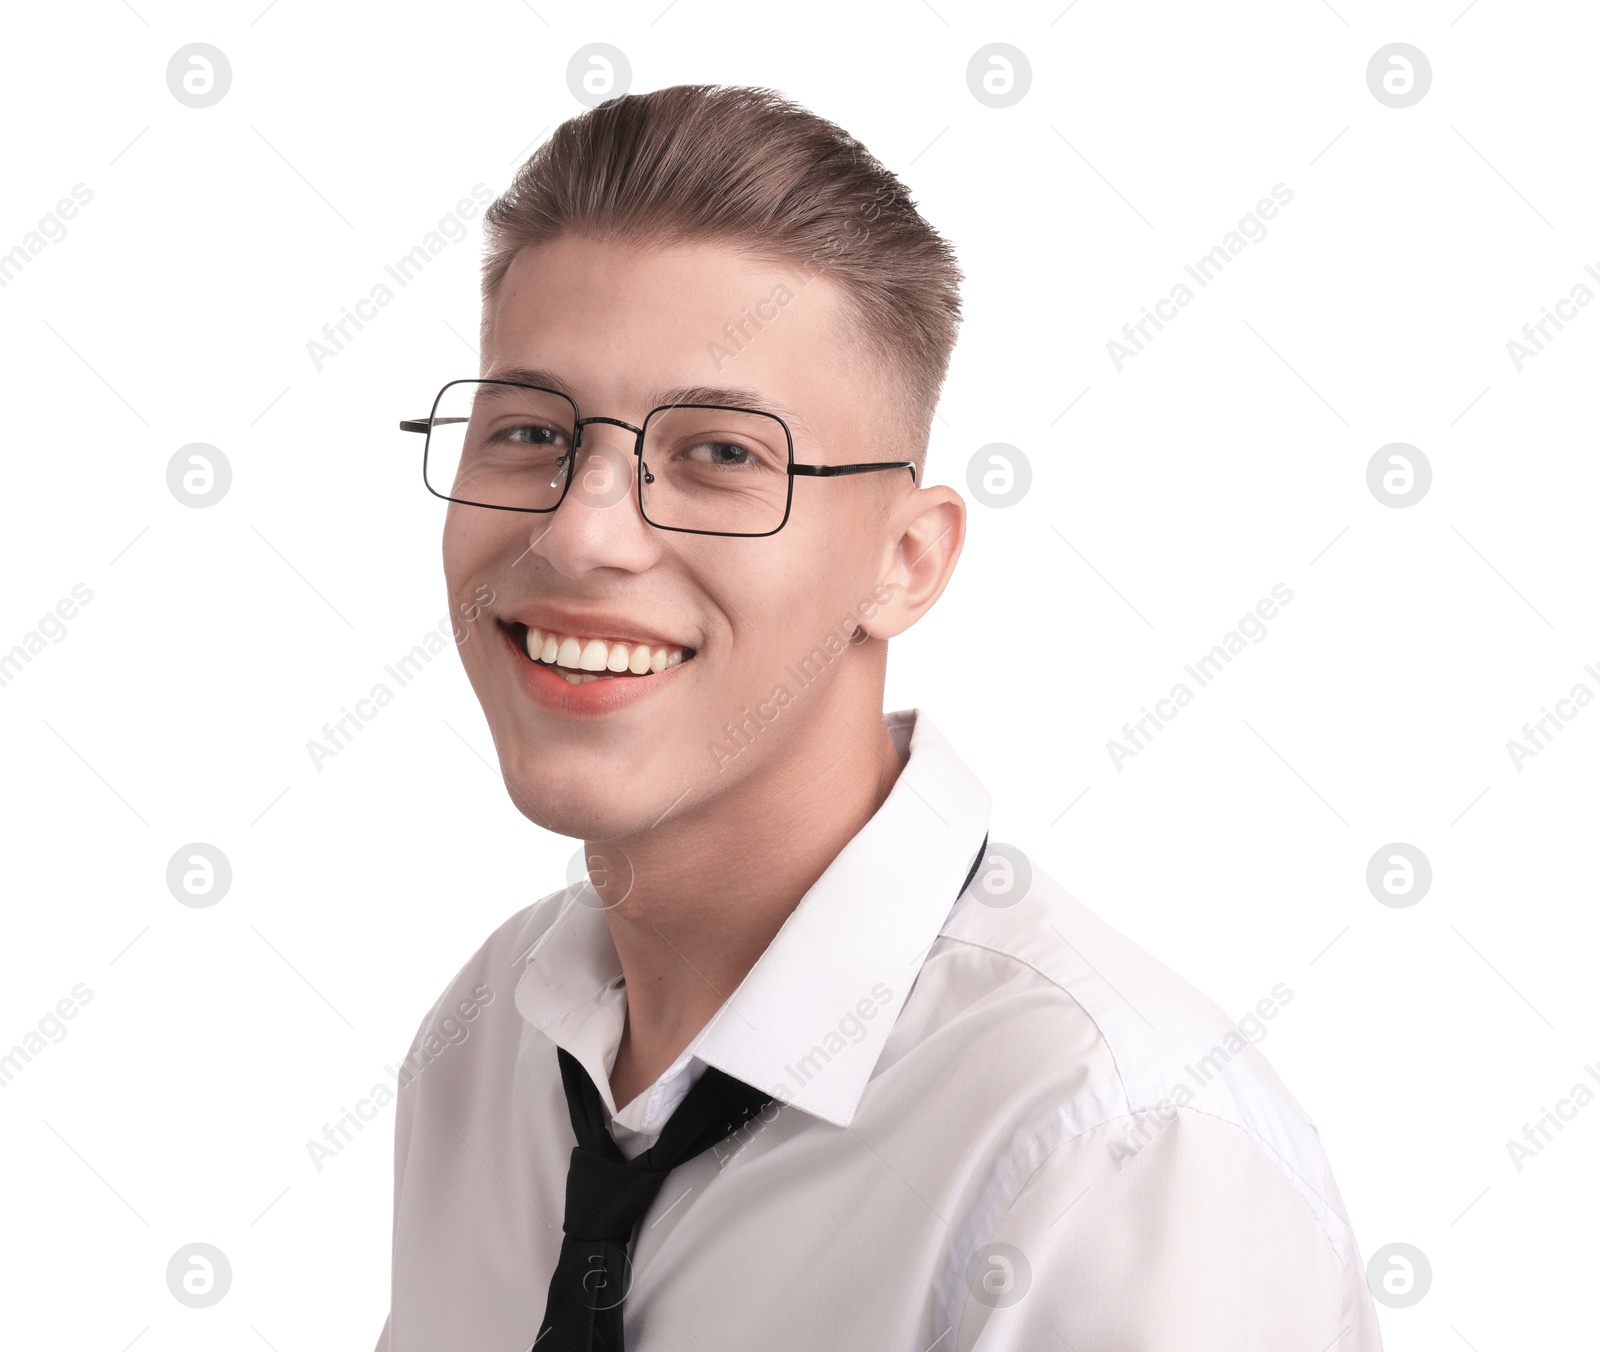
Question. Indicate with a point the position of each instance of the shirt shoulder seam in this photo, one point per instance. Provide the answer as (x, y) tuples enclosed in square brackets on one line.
[(1295, 1178)]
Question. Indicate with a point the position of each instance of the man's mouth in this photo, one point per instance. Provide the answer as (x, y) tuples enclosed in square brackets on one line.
[(580, 658)]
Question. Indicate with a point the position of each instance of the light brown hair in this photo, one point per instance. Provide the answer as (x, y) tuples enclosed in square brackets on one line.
[(751, 169)]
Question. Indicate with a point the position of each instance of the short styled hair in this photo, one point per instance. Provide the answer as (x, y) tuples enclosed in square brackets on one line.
[(753, 170)]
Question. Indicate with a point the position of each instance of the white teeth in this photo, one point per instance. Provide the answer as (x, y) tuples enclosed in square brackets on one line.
[(593, 658)]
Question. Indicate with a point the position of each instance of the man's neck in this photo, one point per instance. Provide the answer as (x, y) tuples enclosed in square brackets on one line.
[(711, 889)]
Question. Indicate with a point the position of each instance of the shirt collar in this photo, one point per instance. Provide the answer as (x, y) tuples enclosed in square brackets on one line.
[(809, 1021)]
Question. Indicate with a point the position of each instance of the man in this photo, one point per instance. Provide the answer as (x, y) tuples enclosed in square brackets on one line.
[(802, 1063)]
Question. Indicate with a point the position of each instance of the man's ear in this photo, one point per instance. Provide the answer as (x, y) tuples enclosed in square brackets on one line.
[(927, 529)]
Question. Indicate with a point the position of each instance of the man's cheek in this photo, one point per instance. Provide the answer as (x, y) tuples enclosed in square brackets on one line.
[(478, 578), (455, 548)]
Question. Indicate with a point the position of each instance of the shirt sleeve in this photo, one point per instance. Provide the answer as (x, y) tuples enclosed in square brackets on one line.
[(405, 1111), (1184, 1235)]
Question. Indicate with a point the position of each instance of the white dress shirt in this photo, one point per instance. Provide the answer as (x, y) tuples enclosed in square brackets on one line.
[(997, 1126)]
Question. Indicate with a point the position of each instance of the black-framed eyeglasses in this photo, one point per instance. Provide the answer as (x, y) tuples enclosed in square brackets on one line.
[(704, 469)]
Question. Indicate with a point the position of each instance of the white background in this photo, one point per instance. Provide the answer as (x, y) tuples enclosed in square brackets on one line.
[(1228, 456)]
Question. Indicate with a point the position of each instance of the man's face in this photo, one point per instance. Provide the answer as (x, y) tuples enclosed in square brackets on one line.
[(626, 329)]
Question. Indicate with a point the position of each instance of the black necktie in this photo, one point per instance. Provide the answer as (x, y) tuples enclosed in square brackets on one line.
[(607, 1194)]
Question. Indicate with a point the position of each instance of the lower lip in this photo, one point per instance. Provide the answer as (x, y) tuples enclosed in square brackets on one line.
[(551, 691)]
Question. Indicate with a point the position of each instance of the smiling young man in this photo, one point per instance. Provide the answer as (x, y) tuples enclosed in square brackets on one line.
[(803, 1062)]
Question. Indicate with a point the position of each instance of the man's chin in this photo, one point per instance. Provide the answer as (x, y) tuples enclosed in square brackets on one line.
[(604, 813)]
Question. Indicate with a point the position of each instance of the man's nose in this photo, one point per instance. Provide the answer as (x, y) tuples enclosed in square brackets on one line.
[(604, 466), (599, 524)]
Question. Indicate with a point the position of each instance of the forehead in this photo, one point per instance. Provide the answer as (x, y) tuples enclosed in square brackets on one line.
[(622, 324)]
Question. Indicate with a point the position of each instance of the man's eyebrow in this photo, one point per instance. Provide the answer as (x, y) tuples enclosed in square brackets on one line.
[(728, 397), (530, 375), (722, 396)]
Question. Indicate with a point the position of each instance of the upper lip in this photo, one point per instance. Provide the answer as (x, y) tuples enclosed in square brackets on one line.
[(593, 624)]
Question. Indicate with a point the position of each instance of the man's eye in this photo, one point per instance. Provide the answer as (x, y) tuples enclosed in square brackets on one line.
[(719, 453), (534, 436)]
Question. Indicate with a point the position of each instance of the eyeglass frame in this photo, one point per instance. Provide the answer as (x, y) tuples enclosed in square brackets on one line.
[(425, 426)]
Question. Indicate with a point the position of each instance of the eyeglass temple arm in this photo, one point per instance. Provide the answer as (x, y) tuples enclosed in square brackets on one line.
[(423, 424), (833, 471)]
